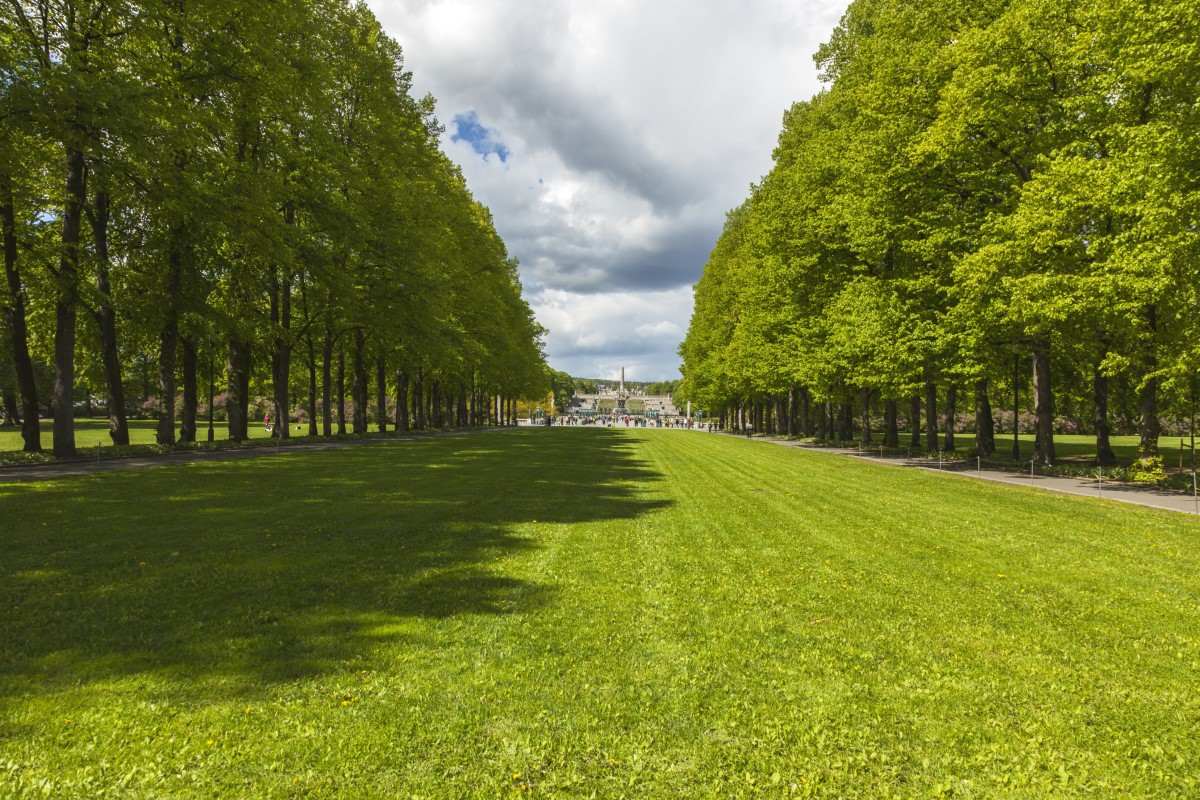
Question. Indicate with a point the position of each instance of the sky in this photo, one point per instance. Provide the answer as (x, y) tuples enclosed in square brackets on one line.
[(610, 138)]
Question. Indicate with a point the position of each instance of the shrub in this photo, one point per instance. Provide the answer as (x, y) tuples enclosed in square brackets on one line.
[(1148, 470)]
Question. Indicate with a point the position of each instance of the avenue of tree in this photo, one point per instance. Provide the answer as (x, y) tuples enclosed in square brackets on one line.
[(203, 202), (990, 200)]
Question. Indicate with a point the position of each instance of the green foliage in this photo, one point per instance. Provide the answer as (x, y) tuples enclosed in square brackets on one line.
[(1149, 469), (977, 180), (252, 175)]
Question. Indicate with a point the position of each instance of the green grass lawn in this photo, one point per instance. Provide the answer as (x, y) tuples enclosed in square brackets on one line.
[(90, 432), (590, 612)]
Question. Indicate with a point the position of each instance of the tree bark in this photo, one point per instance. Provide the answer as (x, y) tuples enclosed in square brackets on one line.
[(436, 402), (360, 381), (1043, 404), (806, 412), (168, 341), (401, 401), (1105, 456), (12, 412), (281, 353), (106, 321), (985, 427), (866, 416), (951, 413), (419, 400), (326, 387), (1016, 431), (187, 430), (66, 304), (891, 425), (931, 425), (341, 390), (381, 391), (793, 428), (212, 392), (1149, 427), (237, 400), (18, 326), (312, 386), (846, 419), (914, 421)]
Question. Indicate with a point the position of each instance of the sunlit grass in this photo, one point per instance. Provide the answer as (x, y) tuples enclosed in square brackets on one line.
[(579, 612)]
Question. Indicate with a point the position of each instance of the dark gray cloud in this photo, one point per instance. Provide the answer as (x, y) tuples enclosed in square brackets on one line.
[(629, 130)]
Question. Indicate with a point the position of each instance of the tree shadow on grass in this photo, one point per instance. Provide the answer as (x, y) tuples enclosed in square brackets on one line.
[(232, 576)]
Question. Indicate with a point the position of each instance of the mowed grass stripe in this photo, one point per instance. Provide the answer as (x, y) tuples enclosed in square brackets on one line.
[(569, 612)]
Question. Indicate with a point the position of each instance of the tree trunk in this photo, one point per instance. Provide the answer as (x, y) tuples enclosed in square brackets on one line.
[(914, 421), (1149, 427), (866, 416), (187, 430), (436, 402), (1016, 431), (1105, 456), (326, 377), (18, 326), (806, 427), (360, 381), (402, 401), (381, 391), (891, 425), (793, 428), (237, 400), (419, 400), (341, 390), (312, 386), (66, 304), (212, 392), (281, 353), (168, 342), (106, 321), (12, 412), (931, 426), (846, 419), (985, 427), (951, 413), (1043, 404)]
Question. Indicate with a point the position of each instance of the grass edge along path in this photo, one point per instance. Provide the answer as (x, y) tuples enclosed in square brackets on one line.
[(1093, 488)]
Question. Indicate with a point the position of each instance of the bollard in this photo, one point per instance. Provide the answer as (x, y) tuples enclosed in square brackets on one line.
[(979, 465), (1031, 463), (1100, 480), (939, 459)]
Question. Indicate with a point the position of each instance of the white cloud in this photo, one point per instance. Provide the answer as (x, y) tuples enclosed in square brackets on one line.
[(632, 127)]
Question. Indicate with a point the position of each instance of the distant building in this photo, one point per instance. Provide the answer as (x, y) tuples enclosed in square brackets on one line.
[(616, 399)]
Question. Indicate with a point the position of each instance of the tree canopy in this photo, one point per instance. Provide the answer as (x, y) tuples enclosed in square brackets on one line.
[(978, 184), (187, 184)]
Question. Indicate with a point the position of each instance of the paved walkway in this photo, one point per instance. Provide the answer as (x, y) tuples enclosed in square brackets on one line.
[(1121, 492), (23, 473)]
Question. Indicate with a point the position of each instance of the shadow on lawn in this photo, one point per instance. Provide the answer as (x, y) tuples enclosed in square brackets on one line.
[(235, 574)]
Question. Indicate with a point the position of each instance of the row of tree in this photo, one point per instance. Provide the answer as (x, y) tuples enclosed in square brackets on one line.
[(983, 186), (185, 184)]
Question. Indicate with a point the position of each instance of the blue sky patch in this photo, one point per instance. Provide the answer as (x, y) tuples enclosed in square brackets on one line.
[(483, 140)]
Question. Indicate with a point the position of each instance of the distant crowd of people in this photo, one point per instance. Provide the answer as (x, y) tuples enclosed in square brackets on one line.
[(628, 421)]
